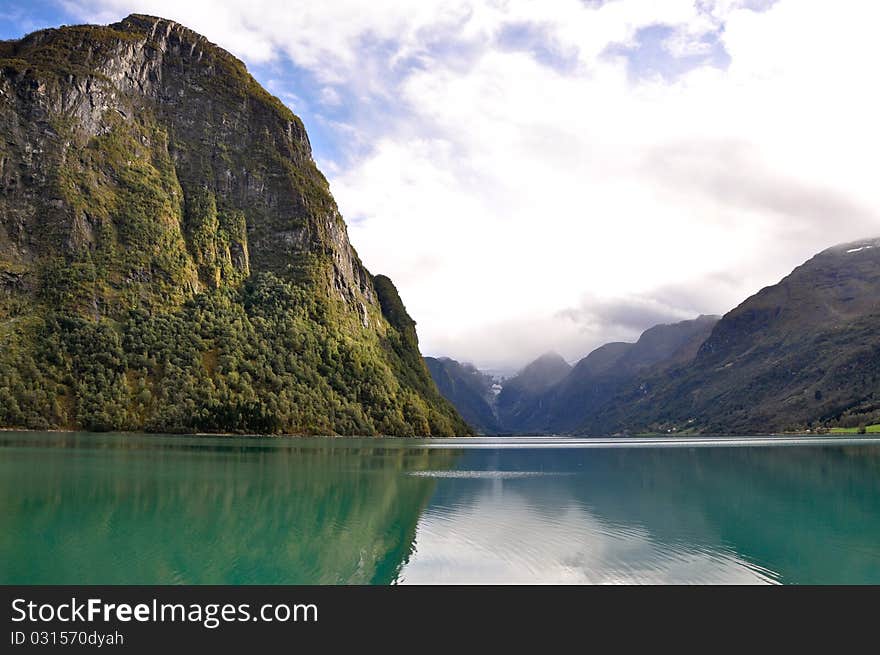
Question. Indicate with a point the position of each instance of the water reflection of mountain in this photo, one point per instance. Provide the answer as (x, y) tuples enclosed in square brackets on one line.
[(798, 514), (153, 509)]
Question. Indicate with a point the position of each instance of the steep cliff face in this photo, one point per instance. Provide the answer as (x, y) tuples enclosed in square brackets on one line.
[(145, 136), (144, 171)]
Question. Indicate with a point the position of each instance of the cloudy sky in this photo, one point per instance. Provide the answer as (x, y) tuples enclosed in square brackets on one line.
[(555, 175)]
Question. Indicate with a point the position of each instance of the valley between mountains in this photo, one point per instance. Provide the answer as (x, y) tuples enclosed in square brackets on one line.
[(172, 260), (803, 354)]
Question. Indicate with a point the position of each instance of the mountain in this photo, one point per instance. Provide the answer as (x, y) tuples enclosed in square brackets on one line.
[(803, 353), (595, 381), (472, 392), (172, 259), (520, 394), (591, 387)]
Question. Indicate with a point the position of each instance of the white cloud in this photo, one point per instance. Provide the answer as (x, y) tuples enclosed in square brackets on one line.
[(498, 191), (330, 96)]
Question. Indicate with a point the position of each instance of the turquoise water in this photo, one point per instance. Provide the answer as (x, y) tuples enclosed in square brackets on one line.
[(125, 509)]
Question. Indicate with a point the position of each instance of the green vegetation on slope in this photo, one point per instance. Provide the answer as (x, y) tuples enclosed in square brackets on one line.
[(267, 358), (171, 259)]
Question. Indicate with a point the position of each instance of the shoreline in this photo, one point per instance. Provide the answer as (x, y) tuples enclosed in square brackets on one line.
[(533, 439)]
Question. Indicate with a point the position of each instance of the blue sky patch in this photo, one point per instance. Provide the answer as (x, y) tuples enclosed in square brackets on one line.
[(652, 54), (536, 40)]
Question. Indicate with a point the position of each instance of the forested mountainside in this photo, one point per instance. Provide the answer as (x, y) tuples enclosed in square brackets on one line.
[(172, 259)]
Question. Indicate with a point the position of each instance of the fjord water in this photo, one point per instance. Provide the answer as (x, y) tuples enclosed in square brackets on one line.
[(126, 509)]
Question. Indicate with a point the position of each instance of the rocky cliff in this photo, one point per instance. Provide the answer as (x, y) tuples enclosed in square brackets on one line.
[(171, 258)]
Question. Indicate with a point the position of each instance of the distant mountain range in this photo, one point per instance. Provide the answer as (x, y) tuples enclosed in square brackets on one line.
[(801, 354)]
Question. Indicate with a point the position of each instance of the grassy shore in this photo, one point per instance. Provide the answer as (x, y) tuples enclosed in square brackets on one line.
[(869, 429)]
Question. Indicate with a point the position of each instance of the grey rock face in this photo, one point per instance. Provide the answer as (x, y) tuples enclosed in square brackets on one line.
[(188, 105)]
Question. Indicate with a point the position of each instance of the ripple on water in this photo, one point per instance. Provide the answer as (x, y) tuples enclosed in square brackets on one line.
[(486, 475), (513, 539)]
